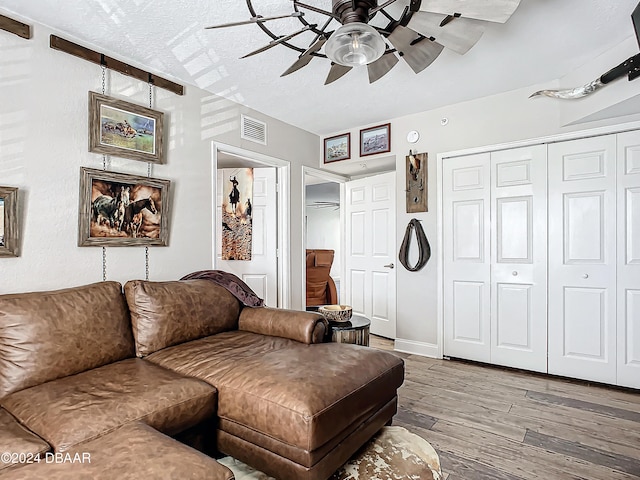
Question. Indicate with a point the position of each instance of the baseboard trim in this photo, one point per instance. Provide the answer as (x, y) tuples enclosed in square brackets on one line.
[(417, 348)]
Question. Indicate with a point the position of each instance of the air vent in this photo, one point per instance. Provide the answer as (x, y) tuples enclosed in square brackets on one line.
[(253, 130)]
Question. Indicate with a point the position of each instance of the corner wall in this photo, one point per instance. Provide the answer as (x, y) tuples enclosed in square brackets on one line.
[(44, 142)]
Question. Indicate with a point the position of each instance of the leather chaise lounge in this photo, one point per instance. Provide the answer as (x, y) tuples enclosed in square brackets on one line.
[(94, 370)]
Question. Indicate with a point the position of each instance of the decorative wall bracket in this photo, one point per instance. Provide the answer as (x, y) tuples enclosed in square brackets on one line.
[(417, 178)]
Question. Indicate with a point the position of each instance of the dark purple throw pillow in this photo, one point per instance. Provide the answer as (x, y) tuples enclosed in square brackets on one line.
[(232, 283)]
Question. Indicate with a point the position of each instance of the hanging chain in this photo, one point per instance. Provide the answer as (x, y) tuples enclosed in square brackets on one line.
[(104, 167), (146, 263), (104, 89), (104, 264), (146, 248), (150, 106)]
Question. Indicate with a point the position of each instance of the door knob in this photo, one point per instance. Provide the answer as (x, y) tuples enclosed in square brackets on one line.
[(391, 265), (514, 273), (586, 275)]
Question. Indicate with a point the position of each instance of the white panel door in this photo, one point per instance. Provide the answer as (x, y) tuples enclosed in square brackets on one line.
[(466, 228), (629, 259), (261, 273), (519, 258), (370, 283), (582, 258)]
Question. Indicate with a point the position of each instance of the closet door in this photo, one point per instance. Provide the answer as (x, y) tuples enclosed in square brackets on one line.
[(629, 259), (582, 258), (466, 225), (519, 258)]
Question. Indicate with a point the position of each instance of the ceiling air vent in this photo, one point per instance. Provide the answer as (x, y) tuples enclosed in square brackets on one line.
[(253, 130)]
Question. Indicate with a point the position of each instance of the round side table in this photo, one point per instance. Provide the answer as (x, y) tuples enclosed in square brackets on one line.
[(355, 331)]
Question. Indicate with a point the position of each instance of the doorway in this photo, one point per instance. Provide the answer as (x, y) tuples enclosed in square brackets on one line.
[(323, 227), (267, 271)]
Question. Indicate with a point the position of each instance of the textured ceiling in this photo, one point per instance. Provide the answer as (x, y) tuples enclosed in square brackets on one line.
[(544, 40)]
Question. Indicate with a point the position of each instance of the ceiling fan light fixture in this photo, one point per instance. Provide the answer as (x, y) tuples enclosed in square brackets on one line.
[(355, 44)]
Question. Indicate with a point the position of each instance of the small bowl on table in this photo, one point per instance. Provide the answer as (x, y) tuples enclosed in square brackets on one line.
[(336, 313)]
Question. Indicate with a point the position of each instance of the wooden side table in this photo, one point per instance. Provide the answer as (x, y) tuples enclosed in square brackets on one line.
[(355, 331)]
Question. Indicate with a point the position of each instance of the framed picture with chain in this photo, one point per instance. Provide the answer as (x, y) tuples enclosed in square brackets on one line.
[(118, 209), (124, 129)]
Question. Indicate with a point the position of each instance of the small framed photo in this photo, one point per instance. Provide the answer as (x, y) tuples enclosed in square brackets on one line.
[(337, 148), (375, 140), (125, 129), (118, 209), (8, 222)]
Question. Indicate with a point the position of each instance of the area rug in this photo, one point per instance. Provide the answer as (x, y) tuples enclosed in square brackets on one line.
[(393, 454)]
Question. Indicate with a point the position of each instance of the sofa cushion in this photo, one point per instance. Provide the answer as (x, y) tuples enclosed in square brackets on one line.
[(168, 313), (303, 327), (72, 410), (302, 395), (133, 452), (49, 335), (18, 441)]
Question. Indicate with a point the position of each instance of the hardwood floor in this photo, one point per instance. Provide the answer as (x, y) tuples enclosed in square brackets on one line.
[(500, 424)]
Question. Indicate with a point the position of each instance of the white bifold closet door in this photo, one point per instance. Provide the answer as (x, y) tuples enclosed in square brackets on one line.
[(519, 258), (582, 258), (628, 291), (494, 210), (467, 257)]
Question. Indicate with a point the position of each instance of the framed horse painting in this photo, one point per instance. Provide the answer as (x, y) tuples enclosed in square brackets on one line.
[(8, 222), (124, 129), (118, 209)]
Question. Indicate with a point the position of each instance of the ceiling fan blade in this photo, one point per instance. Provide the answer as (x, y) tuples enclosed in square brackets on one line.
[(336, 72), (382, 66), (420, 55), (280, 40), (255, 20), (306, 57), (490, 10), (459, 35)]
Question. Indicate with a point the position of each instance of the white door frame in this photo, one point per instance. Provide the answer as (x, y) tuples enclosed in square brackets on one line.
[(329, 177), (283, 207), (441, 157)]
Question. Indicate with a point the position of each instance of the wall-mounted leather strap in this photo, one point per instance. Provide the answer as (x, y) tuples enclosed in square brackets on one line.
[(424, 249)]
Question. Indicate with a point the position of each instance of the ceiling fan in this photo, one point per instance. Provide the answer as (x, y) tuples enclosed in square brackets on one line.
[(369, 35)]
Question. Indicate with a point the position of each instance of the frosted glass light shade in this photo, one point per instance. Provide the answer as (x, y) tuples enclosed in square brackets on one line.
[(355, 44)]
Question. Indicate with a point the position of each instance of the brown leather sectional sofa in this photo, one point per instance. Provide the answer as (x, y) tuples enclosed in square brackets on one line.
[(92, 372)]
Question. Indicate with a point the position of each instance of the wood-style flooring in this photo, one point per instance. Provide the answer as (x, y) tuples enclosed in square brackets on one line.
[(502, 424)]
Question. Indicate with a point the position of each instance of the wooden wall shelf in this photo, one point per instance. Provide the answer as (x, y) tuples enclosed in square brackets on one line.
[(13, 26)]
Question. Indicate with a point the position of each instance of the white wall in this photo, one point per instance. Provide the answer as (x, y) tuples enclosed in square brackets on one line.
[(43, 144), (502, 118)]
